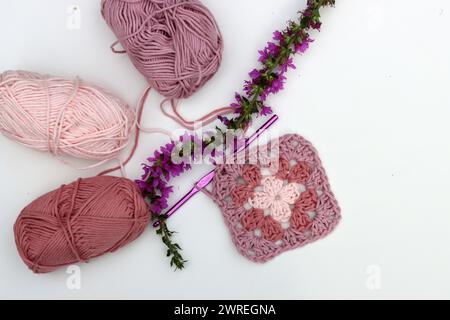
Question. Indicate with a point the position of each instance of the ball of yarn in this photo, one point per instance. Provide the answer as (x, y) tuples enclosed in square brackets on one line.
[(175, 44), (80, 221), (64, 117)]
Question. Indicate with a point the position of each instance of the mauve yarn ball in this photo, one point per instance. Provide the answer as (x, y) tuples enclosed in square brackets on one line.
[(175, 44), (79, 222)]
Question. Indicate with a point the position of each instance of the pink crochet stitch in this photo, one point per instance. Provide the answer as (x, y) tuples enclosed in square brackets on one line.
[(278, 204)]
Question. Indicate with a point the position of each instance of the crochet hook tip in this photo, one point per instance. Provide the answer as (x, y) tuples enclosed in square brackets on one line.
[(200, 185)]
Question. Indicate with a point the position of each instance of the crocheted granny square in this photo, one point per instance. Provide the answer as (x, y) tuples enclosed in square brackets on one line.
[(278, 204)]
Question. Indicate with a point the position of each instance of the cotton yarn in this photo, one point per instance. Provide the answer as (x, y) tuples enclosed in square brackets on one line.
[(175, 44), (80, 221), (65, 117)]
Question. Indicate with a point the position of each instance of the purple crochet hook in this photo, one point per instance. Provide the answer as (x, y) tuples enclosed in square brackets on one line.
[(206, 180)]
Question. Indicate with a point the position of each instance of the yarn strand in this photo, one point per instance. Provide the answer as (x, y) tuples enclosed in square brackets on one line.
[(143, 25), (140, 111), (191, 125)]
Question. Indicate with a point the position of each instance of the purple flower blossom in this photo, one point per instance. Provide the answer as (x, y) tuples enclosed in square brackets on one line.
[(273, 49), (277, 84), (316, 25), (237, 105), (248, 88), (160, 197), (263, 56), (255, 74), (278, 36), (288, 64), (142, 185), (265, 94), (265, 111), (224, 120), (303, 46), (156, 175), (308, 13)]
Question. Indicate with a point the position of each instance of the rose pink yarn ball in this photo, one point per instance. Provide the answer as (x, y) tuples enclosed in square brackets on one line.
[(80, 221), (175, 44), (65, 117)]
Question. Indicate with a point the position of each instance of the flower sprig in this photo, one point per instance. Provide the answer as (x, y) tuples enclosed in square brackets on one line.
[(276, 59)]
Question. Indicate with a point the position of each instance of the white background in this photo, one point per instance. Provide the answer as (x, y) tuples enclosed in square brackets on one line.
[(372, 94)]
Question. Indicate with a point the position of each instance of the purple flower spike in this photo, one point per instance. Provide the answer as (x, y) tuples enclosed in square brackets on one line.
[(269, 78)]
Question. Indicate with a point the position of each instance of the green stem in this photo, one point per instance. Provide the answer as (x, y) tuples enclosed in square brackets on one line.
[(173, 249)]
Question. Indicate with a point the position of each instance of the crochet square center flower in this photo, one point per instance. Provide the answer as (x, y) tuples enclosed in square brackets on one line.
[(277, 204)]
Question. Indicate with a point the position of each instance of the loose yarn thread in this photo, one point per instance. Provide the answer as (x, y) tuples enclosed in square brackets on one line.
[(175, 44), (79, 222)]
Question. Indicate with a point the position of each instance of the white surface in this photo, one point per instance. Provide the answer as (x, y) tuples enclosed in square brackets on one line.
[(372, 95)]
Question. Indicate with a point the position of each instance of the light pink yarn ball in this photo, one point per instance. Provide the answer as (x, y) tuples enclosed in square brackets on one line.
[(65, 117)]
